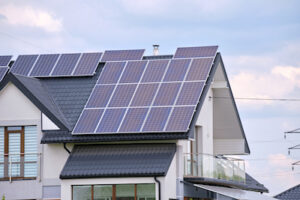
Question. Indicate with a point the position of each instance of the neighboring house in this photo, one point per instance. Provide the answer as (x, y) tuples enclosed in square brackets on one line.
[(290, 194), (121, 126)]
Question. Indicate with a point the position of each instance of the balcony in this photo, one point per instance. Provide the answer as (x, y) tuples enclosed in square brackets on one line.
[(214, 167), (20, 166)]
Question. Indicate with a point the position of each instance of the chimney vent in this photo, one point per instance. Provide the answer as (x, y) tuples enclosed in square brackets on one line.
[(155, 49)]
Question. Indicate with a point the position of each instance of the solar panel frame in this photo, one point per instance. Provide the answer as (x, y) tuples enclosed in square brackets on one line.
[(110, 121), (177, 70), (133, 120), (3, 71), (155, 71), (167, 94), (120, 55), (87, 64), (100, 96), (133, 71), (5, 60), (111, 76), (65, 65), (144, 94), (122, 95), (156, 120), (199, 69), (89, 117), (44, 65), (24, 64), (190, 93), (194, 52), (177, 123)]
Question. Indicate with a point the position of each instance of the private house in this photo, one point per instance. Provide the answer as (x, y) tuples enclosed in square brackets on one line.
[(290, 194), (119, 125)]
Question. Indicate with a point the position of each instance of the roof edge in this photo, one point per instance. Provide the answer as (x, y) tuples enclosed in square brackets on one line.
[(10, 77)]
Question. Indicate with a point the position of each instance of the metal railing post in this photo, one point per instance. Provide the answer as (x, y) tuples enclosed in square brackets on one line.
[(10, 170)]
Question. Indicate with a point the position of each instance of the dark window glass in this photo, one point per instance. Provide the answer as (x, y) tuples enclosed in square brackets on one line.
[(82, 192)]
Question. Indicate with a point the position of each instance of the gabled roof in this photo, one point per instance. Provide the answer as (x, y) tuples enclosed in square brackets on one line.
[(62, 99), (290, 194), (127, 160), (34, 90)]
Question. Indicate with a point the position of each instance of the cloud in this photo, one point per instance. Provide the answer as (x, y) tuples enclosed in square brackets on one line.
[(29, 16), (280, 160)]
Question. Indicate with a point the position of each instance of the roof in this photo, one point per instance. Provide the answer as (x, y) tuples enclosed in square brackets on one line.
[(62, 100), (290, 194), (251, 184), (127, 160)]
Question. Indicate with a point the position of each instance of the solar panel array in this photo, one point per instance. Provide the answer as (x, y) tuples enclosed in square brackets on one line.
[(135, 96), (3, 71), (57, 65), (4, 60)]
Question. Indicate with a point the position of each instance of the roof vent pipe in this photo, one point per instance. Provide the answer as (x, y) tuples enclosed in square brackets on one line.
[(155, 49)]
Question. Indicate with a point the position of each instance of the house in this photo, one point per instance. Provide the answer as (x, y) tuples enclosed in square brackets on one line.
[(119, 125), (290, 194)]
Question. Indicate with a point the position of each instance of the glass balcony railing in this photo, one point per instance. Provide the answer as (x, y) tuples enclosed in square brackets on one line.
[(216, 167), (17, 166)]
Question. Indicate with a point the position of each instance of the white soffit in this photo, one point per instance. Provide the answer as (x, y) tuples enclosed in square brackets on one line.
[(236, 193)]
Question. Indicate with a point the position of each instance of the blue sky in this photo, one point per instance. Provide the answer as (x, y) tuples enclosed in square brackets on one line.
[(259, 42)]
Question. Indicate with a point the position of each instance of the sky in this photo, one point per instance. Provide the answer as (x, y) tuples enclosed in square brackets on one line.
[(258, 40)]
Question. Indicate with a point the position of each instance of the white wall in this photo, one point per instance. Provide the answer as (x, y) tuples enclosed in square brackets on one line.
[(17, 110), (47, 124), (205, 120)]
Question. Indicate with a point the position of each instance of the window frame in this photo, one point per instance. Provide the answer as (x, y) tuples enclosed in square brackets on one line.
[(114, 191), (22, 154)]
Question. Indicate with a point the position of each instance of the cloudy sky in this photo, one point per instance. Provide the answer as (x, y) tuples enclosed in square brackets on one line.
[(259, 42)]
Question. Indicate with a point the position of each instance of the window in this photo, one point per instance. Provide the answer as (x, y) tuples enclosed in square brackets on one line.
[(114, 192), (18, 152)]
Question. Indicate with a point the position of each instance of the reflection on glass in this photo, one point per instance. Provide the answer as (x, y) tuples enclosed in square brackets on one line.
[(124, 192), (82, 192), (102, 192), (146, 191)]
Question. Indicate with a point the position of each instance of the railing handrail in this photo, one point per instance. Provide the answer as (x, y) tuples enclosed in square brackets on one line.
[(217, 156), (13, 154)]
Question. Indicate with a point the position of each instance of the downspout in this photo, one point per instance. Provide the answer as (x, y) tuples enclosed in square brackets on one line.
[(158, 182), (65, 147)]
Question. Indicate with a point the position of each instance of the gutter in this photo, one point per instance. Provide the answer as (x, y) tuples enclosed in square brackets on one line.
[(67, 150), (159, 192)]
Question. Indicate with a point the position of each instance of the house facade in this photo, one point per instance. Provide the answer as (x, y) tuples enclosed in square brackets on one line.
[(119, 125)]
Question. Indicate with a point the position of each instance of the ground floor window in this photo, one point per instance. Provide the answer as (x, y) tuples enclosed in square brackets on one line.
[(114, 192)]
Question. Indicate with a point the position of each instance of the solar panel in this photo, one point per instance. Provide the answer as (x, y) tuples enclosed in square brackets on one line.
[(111, 72), (177, 70), (122, 95), (193, 52), (87, 64), (3, 71), (119, 55), (111, 120), (133, 120), (23, 64), (100, 96), (4, 60), (44, 65), (190, 93), (88, 121), (149, 95), (155, 70), (167, 94), (133, 71), (199, 69), (180, 119), (156, 119), (144, 94), (66, 64)]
